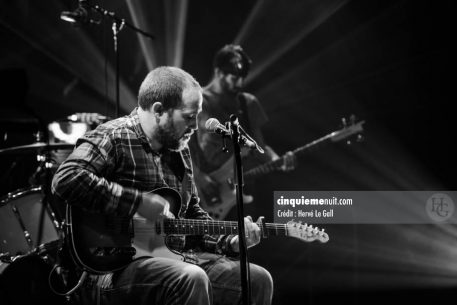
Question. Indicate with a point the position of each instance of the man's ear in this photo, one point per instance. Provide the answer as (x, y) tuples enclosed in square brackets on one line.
[(157, 108), (218, 73)]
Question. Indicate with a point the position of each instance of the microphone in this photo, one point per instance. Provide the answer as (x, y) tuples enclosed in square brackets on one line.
[(213, 125)]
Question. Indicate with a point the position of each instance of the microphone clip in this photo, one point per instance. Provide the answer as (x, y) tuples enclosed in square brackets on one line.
[(244, 138), (229, 129)]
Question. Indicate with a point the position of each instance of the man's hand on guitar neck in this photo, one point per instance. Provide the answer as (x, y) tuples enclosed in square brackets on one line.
[(289, 159), (290, 162), (153, 207), (252, 231)]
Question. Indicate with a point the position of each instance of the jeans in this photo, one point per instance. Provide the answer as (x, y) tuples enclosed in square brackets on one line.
[(215, 280)]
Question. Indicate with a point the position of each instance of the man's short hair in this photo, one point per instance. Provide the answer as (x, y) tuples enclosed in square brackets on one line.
[(165, 85), (232, 59)]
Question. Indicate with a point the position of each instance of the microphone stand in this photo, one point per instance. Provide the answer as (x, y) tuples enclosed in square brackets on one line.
[(118, 25), (244, 262)]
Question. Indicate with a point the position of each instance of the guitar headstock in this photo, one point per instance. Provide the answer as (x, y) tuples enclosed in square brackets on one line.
[(306, 232), (350, 128)]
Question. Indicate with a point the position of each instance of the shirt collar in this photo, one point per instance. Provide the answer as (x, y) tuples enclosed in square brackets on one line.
[(144, 140)]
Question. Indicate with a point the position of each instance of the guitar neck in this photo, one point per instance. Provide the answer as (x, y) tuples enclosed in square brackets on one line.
[(331, 137), (275, 165), (201, 227)]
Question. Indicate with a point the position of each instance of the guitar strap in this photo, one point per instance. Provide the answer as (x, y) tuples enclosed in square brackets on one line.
[(243, 111), (198, 156), (185, 191)]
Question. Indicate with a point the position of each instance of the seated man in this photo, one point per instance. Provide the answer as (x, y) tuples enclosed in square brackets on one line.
[(112, 172)]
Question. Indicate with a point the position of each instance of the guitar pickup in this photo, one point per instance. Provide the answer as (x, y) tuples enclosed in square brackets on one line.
[(110, 251)]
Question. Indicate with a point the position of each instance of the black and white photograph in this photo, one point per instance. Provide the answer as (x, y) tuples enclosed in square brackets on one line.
[(228, 152)]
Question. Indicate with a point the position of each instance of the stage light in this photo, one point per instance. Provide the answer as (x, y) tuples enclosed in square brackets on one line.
[(79, 15)]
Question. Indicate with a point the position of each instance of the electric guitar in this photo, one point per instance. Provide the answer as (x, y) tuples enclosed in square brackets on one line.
[(224, 176), (101, 244)]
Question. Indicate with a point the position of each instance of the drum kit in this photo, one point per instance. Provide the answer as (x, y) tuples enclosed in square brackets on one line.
[(31, 230)]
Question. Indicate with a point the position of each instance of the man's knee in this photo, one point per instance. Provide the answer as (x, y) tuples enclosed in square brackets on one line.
[(195, 275), (261, 279), (193, 286)]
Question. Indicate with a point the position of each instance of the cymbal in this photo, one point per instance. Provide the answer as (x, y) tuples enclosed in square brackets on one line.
[(35, 147)]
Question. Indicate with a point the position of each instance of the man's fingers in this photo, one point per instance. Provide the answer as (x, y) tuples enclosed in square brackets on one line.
[(289, 161), (252, 232)]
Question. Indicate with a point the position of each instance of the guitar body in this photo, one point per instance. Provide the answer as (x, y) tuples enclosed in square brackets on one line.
[(148, 242), (224, 177), (101, 244)]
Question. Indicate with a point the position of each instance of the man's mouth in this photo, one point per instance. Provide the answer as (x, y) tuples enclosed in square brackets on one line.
[(187, 135)]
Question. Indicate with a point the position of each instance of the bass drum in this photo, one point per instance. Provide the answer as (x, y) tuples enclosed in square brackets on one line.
[(25, 281)]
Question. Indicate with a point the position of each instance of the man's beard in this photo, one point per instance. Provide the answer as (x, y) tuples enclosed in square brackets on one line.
[(169, 139)]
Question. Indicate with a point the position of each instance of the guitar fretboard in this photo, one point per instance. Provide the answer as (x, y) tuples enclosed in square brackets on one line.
[(331, 137), (201, 227), (272, 166)]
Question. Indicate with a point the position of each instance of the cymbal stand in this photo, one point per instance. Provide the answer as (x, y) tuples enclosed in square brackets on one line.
[(45, 164), (118, 25)]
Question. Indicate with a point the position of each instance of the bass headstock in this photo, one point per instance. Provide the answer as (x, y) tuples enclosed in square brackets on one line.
[(350, 129)]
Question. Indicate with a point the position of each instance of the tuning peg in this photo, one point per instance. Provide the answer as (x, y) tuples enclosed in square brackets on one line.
[(360, 138), (38, 136), (344, 122), (352, 119)]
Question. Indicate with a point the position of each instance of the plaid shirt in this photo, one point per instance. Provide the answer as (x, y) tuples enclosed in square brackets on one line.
[(114, 164)]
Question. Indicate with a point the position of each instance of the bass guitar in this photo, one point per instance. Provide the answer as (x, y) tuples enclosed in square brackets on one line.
[(224, 176)]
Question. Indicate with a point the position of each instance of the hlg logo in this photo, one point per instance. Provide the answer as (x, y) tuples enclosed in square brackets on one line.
[(440, 207)]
